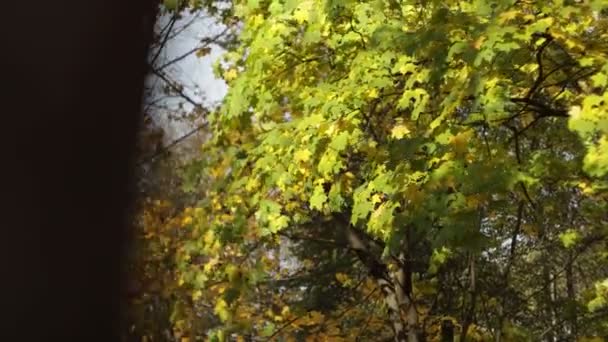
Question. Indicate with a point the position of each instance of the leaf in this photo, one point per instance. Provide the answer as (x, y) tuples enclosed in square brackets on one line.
[(600, 79), (508, 16), (202, 52), (362, 205), (221, 309), (340, 142), (586, 61), (400, 131), (438, 258), (302, 13), (569, 238), (268, 329), (171, 5), (318, 198), (230, 75), (303, 155), (372, 93), (381, 221), (540, 26)]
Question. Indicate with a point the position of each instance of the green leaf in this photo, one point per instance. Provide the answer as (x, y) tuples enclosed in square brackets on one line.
[(268, 329), (362, 205), (599, 80), (318, 198), (569, 238), (340, 141), (171, 5)]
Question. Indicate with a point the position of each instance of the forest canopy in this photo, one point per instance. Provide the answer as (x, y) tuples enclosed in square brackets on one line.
[(390, 170)]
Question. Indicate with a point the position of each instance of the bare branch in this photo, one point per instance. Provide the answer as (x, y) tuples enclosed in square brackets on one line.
[(206, 41), (174, 143), (175, 87)]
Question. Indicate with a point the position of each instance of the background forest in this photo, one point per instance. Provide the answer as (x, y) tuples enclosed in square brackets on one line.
[(379, 170)]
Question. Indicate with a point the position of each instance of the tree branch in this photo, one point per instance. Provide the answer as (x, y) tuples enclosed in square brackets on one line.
[(175, 142), (175, 87), (206, 42)]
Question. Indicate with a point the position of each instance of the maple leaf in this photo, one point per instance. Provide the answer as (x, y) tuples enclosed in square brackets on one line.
[(318, 198), (400, 131), (509, 15), (303, 155), (230, 75)]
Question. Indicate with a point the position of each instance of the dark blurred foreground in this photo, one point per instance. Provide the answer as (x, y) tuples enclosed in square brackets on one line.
[(72, 77)]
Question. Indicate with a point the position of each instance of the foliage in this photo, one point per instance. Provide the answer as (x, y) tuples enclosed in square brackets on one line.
[(379, 168)]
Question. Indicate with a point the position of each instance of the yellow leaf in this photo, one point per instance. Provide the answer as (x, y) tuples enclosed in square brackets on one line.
[(186, 221), (256, 20), (230, 74), (197, 294), (302, 13), (203, 52), (210, 264), (303, 155), (372, 93), (313, 318), (331, 129), (221, 309), (209, 237), (376, 199), (342, 278), (506, 16), (460, 141), (399, 131), (477, 43)]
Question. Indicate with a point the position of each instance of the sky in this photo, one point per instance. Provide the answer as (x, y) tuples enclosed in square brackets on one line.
[(194, 73)]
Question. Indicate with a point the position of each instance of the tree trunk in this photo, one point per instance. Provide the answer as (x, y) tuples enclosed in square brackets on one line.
[(396, 286), (390, 298), (447, 331), (548, 302), (402, 278), (570, 286), (470, 310), (507, 272)]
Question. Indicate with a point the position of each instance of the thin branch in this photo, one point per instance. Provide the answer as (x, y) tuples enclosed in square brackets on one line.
[(582, 247), (172, 144), (365, 299), (364, 328), (165, 38), (516, 230), (175, 87), (313, 239), (206, 41), (186, 25), (288, 323), (527, 195), (540, 78), (540, 108)]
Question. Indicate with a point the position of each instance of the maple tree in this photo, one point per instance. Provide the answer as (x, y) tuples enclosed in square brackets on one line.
[(404, 171)]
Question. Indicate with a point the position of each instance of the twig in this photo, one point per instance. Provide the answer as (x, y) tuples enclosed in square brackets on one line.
[(165, 39), (285, 326), (207, 42), (176, 88), (171, 145)]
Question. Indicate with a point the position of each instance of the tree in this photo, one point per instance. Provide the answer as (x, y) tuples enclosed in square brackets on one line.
[(434, 167), (158, 308)]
